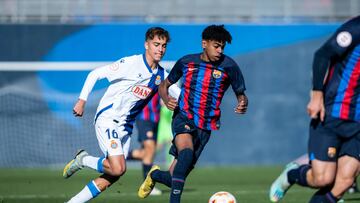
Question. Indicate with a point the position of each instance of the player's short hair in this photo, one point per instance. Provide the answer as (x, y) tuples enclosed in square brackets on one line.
[(157, 31), (217, 33)]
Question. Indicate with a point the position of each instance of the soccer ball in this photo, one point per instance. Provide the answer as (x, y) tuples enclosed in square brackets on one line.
[(222, 197)]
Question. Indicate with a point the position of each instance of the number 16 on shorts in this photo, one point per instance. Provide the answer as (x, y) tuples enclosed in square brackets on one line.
[(109, 139)]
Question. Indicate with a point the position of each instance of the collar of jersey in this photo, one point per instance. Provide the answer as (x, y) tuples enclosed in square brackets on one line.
[(148, 67)]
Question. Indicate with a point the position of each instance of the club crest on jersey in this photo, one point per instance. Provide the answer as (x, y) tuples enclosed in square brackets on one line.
[(141, 91), (113, 144), (217, 74), (158, 80)]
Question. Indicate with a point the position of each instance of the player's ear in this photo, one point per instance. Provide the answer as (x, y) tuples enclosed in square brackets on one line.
[(203, 44), (146, 45)]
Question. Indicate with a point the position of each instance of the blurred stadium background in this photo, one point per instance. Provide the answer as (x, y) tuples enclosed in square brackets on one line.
[(47, 47)]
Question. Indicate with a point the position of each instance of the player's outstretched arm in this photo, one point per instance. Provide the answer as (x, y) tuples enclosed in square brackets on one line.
[(79, 107), (241, 107), (169, 101), (90, 81)]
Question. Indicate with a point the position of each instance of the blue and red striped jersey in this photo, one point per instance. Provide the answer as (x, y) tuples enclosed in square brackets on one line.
[(342, 86), (203, 87), (151, 112)]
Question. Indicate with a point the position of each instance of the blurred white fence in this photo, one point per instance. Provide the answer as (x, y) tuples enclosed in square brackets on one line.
[(185, 11)]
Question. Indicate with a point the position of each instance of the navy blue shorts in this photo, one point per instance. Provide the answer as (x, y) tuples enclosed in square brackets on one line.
[(147, 130), (334, 138), (181, 124)]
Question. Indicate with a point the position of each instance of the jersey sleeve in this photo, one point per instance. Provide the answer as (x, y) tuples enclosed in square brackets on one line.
[(111, 72), (236, 79), (176, 72), (174, 90), (344, 39), (118, 69)]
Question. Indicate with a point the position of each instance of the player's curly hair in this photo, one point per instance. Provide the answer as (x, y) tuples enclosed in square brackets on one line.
[(157, 31), (216, 33)]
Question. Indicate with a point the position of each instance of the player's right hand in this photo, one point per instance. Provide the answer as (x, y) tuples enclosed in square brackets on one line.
[(78, 109), (316, 107), (241, 107), (171, 103)]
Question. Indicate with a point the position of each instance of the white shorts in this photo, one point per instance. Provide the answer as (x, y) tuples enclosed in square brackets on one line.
[(112, 138)]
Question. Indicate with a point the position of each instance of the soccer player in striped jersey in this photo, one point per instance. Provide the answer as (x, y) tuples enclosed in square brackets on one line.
[(334, 143), (205, 78), (147, 125), (134, 80)]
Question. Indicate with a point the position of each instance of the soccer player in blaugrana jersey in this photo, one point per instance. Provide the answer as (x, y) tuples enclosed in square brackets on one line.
[(334, 143), (205, 78), (133, 82), (147, 125)]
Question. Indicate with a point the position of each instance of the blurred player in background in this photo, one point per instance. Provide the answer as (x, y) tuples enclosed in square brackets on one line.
[(147, 124), (165, 134), (334, 143), (206, 77), (133, 81)]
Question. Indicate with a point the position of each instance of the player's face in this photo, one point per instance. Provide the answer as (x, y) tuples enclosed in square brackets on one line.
[(156, 48), (213, 50)]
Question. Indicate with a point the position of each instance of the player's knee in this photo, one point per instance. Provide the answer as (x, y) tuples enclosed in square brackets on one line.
[(323, 180), (118, 170), (149, 145)]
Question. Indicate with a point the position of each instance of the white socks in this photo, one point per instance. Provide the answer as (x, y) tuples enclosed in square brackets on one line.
[(95, 163), (90, 191)]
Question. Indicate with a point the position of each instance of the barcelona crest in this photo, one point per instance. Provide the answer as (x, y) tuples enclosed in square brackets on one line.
[(216, 74), (331, 152)]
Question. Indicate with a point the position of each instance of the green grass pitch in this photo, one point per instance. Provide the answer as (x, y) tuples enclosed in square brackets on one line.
[(247, 184)]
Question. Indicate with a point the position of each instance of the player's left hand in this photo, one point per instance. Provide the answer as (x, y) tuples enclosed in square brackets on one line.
[(242, 104)]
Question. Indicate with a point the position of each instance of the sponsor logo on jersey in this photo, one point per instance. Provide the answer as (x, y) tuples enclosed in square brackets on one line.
[(217, 74), (141, 91), (191, 69), (113, 144), (115, 66), (158, 80), (331, 152), (344, 39)]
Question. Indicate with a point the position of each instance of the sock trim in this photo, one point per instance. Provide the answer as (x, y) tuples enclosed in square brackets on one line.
[(93, 189), (100, 167), (331, 197), (178, 180), (303, 171)]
